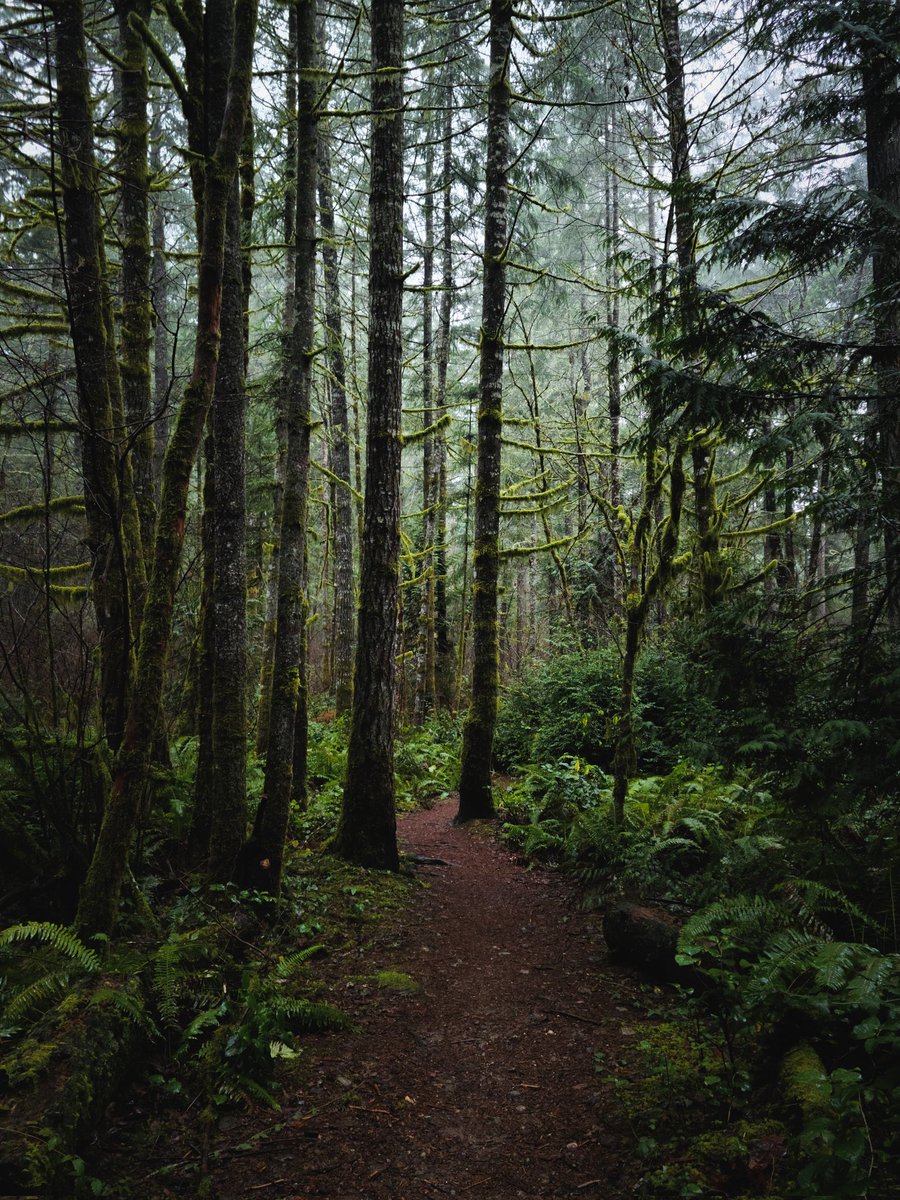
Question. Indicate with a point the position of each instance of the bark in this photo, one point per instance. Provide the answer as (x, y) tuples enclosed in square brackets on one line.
[(288, 315), (645, 937), (229, 594), (136, 317), (367, 833), (475, 793), (287, 719), (113, 532), (344, 588), (707, 555), (444, 666), (425, 651), (882, 109), (159, 291), (99, 900)]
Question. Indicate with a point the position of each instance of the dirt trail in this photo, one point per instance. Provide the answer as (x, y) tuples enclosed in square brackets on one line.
[(481, 1082)]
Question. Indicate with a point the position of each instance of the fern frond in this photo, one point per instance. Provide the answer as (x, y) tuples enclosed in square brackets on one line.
[(208, 1019), (289, 963), (131, 1006), (241, 1087), (309, 1016), (58, 936), (40, 993)]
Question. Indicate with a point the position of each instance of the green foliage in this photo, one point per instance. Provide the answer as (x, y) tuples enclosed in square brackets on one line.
[(772, 964), (683, 833)]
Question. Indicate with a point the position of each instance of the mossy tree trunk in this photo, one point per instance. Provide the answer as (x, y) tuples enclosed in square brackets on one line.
[(344, 586), (646, 584), (229, 593), (444, 664), (289, 222), (113, 531), (287, 712), (99, 901), (475, 793), (367, 833), (425, 650), (136, 315)]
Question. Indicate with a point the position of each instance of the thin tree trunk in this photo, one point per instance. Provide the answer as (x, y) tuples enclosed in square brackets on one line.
[(134, 179), (289, 222), (881, 96), (707, 553), (344, 589), (367, 832), (113, 529), (475, 793), (159, 291), (99, 901), (425, 656), (287, 720), (443, 669)]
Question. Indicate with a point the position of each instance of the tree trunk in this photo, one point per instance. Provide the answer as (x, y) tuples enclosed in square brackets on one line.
[(289, 222), (113, 532), (99, 899), (444, 666), (475, 793), (882, 108), (229, 595), (134, 178), (367, 833), (344, 591), (287, 719), (707, 554), (425, 651)]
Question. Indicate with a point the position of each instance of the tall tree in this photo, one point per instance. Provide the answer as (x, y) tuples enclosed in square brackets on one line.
[(99, 900), (113, 528), (475, 792), (344, 593), (367, 833), (287, 710)]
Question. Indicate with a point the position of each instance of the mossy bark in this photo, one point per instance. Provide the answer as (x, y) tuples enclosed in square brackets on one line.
[(288, 698), (444, 664), (646, 585), (136, 315), (229, 596), (425, 650), (475, 793), (289, 222), (367, 832), (112, 533), (99, 901), (344, 588)]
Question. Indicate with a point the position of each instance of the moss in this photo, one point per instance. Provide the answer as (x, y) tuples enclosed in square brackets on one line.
[(395, 981), (60, 1079)]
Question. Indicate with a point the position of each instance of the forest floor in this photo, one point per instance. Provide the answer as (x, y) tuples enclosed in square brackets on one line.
[(471, 1072)]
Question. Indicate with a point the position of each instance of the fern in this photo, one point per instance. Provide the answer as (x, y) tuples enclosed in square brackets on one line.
[(63, 940), (288, 964), (40, 993), (309, 1016), (131, 1006)]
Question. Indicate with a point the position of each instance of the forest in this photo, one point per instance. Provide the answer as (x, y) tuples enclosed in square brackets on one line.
[(486, 414)]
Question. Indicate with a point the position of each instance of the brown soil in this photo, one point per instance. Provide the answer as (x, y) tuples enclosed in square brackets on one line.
[(482, 1082)]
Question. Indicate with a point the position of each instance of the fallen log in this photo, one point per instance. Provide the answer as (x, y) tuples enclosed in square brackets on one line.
[(646, 937)]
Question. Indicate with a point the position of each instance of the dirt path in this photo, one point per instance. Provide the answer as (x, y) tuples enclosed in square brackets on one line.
[(481, 1082)]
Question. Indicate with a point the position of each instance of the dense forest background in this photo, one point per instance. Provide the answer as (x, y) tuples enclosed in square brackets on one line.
[(394, 395)]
